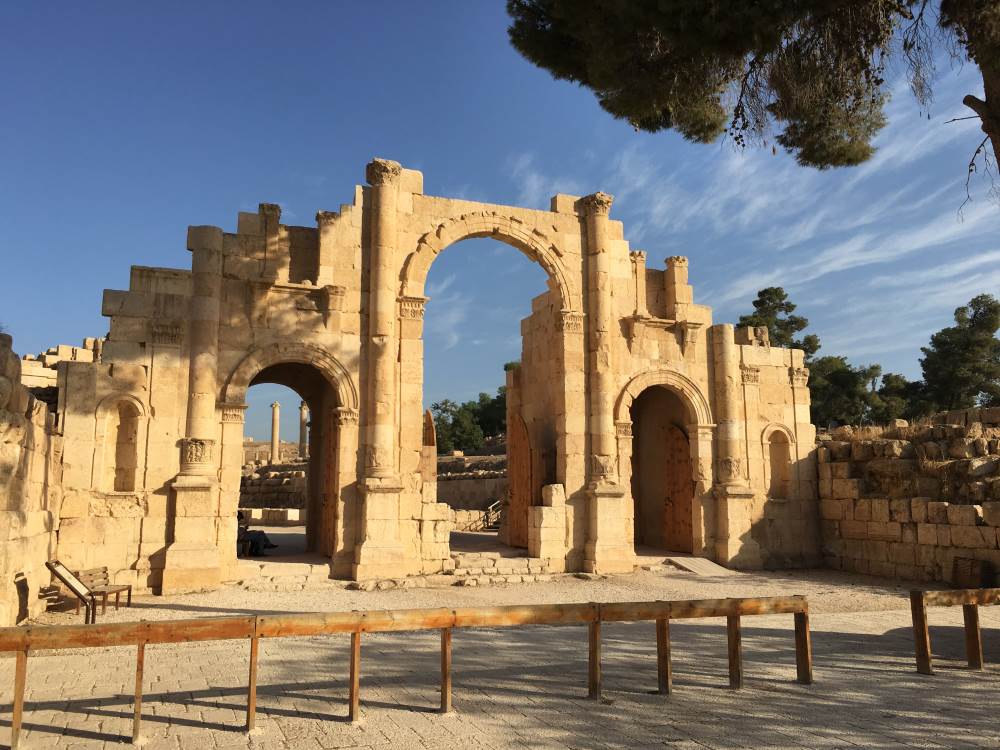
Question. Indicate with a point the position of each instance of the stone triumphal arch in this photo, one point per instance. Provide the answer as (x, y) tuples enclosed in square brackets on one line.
[(152, 419)]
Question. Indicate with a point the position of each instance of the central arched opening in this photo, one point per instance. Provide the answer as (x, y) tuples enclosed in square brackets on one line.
[(289, 461), (485, 383), (662, 477)]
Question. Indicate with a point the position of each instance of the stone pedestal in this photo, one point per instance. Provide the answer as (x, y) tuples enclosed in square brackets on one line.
[(192, 561), (734, 546), (607, 550), (380, 554)]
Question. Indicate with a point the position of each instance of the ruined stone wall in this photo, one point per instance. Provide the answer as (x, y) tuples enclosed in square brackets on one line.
[(275, 487), (905, 505), (30, 492)]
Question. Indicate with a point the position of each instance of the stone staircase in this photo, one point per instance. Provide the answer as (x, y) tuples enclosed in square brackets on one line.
[(487, 568)]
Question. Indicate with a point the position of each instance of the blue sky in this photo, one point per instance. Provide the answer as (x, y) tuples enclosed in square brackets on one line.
[(124, 123)]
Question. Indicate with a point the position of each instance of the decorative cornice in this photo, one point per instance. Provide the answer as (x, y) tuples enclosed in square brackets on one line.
[(412, 308), (234, 413), (382, 172), (597, 203), (345, 415), (750, 374), (570, 322), (167, 333)]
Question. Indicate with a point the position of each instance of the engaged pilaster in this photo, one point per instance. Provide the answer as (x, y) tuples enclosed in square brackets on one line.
[(192, 560), (380, 550), (734, 543)]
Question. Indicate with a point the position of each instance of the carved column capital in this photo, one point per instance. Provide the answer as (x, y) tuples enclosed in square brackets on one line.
[(598, 204), (623, 429), (638, 257), (382, 172), (676, 260)]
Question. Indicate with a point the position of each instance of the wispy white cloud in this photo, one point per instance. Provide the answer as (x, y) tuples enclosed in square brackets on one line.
[(536, 187)]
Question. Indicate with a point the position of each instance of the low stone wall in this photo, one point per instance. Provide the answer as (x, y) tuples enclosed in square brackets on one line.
[(278, 516), (477, 493), (468, 520), (274, 487), (30, 492), (907, 504)]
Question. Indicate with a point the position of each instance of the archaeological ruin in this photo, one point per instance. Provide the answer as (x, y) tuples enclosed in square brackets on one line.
[(634, 421)]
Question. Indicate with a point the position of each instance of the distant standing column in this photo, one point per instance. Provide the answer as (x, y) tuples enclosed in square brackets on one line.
[(275, 426), (303, 430)]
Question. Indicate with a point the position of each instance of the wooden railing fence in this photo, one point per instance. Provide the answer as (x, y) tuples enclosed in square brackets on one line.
[(969, 599), (26, 640)]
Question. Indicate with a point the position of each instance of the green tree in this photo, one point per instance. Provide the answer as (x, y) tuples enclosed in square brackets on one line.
[(465, 429), (961, 365), (773, 310), (809, 70), (840, 393), (444, 414), (491, 412), (898, 398)]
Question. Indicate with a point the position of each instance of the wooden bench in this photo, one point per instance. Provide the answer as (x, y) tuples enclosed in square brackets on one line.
[(87, 586), (99, 583)]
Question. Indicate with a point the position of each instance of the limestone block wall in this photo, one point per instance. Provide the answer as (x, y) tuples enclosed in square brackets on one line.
[(274, 487), (906, 504), (471, 492), (30, 492)]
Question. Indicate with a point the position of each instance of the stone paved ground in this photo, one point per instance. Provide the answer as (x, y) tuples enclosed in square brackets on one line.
[(527, 687)]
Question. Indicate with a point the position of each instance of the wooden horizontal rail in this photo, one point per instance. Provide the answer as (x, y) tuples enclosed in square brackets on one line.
[(961, 596), (24, 640), (969, 600)]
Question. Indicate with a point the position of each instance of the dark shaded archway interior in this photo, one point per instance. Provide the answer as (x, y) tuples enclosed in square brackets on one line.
[(662, 478), (321, 398)]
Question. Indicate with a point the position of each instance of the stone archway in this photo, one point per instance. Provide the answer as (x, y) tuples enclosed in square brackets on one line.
[(507, 229), (320, 380), (697, 434), (235, 389)]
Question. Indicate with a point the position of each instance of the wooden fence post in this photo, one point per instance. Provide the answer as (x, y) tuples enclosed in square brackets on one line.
[(973, 638), (594, 662), (252, 684), (140, 663), (354, 706), (664, 669), (803, 648), (735, 651), (445, 670), (20, 673), (921, 635)]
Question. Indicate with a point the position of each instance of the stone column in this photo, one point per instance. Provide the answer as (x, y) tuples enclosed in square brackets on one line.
[(192, 561), (275, 433), (678, 293), (607, 549), (303, 431), (380, 551), (734, 545), (638, 258)]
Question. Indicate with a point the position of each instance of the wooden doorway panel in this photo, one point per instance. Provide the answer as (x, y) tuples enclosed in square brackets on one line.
[(678, 531)]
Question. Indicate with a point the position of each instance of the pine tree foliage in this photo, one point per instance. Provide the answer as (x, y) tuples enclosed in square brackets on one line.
[(809, 72)]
